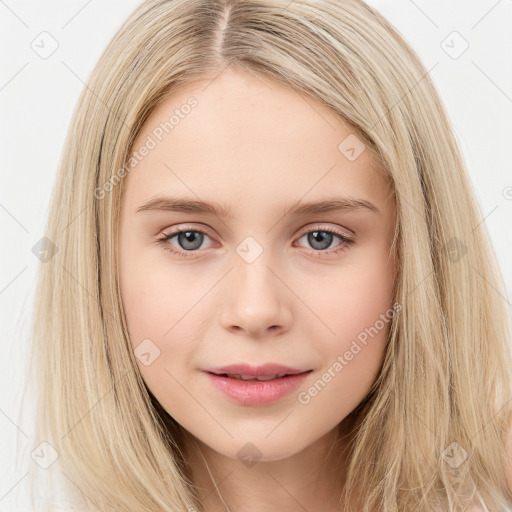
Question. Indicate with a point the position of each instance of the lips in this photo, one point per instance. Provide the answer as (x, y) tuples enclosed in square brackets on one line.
[(252, 392)]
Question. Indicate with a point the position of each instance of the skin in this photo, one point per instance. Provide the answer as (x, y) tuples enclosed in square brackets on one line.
[(257, 146)]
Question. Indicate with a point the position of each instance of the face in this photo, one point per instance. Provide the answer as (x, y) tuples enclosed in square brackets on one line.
[(261, 278)]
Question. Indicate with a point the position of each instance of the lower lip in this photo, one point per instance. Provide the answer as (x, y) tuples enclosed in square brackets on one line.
[(254, 392)]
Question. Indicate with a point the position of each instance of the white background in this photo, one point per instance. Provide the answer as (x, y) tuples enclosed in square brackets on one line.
[(37, 97)]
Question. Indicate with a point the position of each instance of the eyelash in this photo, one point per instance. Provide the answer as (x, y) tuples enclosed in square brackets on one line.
[(345, 242)]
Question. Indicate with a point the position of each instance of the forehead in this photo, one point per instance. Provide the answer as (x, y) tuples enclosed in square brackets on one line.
[(248, 136)]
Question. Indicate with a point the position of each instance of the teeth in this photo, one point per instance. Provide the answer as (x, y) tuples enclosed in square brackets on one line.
[(250, 377)]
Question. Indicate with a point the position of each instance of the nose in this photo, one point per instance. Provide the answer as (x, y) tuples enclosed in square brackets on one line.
[(257, 300)]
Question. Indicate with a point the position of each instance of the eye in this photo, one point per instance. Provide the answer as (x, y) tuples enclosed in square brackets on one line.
[(321, 239), (189, 240)]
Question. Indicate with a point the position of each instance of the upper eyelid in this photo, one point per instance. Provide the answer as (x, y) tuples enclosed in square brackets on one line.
[(319, 227), (304, 229), (175, 230)]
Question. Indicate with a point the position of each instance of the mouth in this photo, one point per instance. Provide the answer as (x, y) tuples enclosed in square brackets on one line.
[(262, 378), (263, 372)]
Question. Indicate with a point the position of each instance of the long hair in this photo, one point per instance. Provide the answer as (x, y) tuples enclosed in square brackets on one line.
[(432, 431)]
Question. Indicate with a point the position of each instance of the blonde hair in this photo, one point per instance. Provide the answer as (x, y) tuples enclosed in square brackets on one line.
[(446, 374)]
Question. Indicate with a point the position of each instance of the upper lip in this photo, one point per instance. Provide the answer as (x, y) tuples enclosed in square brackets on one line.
[(264, 370)]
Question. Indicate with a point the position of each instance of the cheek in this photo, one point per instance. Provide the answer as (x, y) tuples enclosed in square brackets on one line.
[(161, 323), (162, 304), (358, 311), (355, 309), (146, 308), (153, 294), (157, 308)]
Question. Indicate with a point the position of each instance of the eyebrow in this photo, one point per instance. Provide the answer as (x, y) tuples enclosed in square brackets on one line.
[(298, 208)]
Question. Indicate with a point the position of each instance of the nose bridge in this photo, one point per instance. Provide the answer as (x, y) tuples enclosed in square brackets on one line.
[(257, 298), (252, 275)]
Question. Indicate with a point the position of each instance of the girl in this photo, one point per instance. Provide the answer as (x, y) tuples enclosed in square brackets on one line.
[(199, 346)]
